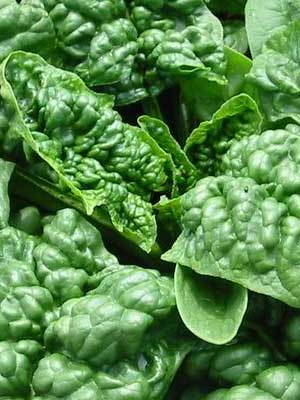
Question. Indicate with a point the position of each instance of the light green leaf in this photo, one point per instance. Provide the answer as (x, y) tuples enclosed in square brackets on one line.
[(203, 98), (211, 308), (265, 17)]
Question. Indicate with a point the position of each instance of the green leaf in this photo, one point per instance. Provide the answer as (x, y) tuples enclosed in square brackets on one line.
[(283, 382), (96, 41), (28, 220), (233, 228), (84, 145), (240, 393), (184, 172), (65, 264), (172, 41), (6, 169), (264, 18), (238, 117), (235, 36), (126, 48), (25, 26), (37, 191), (18, 361), (280, 382), (149, 378), (240, 363), (275, 75), (203, 98), (212, 309), (169, 215)]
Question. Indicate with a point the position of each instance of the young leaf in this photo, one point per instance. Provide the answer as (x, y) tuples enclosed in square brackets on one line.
[(203, 98), (184, 172), (211, 308), (238, 117)]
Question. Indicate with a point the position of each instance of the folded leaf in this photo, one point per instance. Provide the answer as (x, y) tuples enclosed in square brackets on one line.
[(203, 98), (184, 172), (212, 309), (239, 116), (82, 144)]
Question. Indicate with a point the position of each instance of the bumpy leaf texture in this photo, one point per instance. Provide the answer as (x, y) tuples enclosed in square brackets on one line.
[(238, 117), (280, 382), (75, 324), (243, 226), (73, 137), (275, 74), (137, 48)]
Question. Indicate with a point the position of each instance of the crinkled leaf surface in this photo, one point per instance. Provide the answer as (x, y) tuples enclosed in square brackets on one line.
[(91, 152), (270, 158), (18, 361), (71, 251), (240, 363), (96, 40), (275, 74), (278, 382), (240, 393), (233, 228), (133, 49), (175, 38), (57, 376), (185, 173), (239, 116), (212, 309), (120, 341)]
